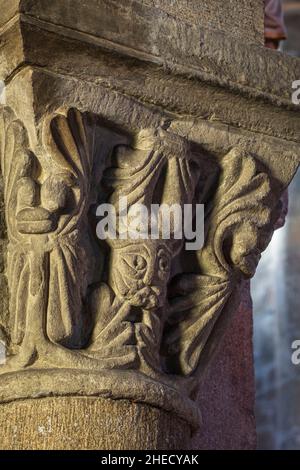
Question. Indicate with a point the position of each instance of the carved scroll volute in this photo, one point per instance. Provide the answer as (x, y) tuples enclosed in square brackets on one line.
[(240, 226)]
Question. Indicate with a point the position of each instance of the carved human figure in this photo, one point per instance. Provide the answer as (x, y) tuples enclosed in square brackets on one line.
[(156, 169)]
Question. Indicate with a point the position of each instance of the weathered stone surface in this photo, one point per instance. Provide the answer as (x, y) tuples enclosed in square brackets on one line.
[(202, 71), (11, 50), (109, 103), (9, 10), (182, 48), (239, 18), (155, 344), (89, 423)]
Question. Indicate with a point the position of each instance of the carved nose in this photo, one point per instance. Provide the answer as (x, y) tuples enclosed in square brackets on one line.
[(149, 276)]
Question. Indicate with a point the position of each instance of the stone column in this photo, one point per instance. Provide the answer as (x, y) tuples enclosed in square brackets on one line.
[(109, 342)]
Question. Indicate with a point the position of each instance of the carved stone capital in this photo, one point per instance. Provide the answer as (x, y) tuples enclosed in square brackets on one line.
[(139, 318), (153, 103)]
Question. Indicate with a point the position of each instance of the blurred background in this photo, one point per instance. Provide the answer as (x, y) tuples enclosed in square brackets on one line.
[(276, 299)]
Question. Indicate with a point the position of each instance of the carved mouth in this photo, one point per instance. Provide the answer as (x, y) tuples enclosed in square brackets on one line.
[(147, 298)]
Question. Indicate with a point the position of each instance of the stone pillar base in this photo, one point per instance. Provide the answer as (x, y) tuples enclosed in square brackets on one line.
[(84, 423)]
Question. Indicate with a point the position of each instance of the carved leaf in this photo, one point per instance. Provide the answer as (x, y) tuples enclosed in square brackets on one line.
[(240, 227), (192, 319), (47, 218), (17, 165)]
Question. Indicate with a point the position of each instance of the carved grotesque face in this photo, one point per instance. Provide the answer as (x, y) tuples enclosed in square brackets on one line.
[(140, 273)]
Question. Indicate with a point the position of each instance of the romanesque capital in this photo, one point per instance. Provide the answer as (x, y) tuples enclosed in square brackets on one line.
[(115, 110), (129, 314)]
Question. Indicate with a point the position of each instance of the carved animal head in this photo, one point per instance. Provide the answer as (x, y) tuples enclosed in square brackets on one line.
[(140, 273)]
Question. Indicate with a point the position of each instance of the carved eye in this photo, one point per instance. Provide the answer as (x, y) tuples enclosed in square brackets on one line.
[(139, 262), (164, 264)]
